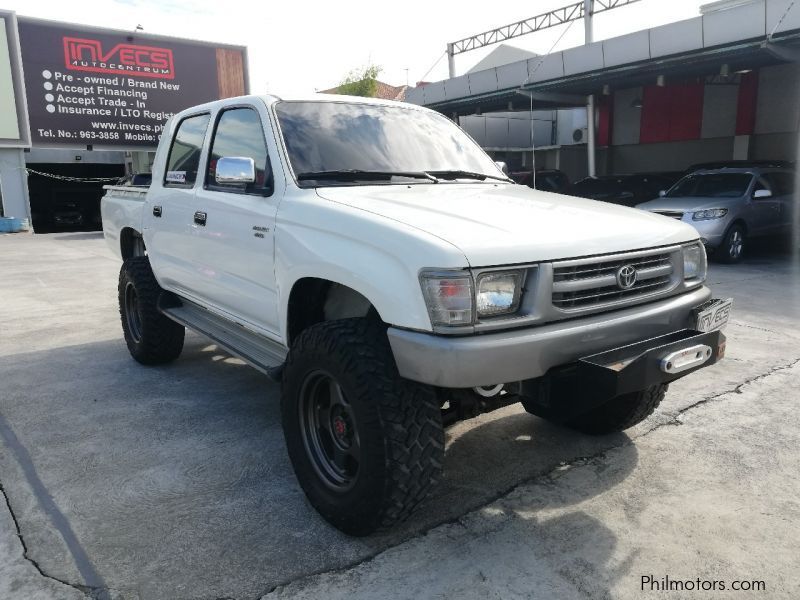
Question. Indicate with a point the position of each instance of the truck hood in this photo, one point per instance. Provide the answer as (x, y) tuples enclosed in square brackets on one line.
[(687, 204), (510, 224)]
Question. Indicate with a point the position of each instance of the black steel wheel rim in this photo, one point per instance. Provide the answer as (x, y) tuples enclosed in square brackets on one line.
[(328, 427), (132, 315)]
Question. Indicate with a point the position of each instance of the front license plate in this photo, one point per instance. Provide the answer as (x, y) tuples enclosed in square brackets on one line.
[(713, 315)]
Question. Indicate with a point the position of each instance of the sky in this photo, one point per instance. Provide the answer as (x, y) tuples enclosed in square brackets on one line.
[(302, 46)]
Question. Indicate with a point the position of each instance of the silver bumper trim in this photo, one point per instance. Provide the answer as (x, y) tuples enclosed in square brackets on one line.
[(506, 356)]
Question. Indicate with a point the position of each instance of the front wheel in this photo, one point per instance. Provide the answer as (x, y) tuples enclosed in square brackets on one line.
[(732, 247), (365, 444)]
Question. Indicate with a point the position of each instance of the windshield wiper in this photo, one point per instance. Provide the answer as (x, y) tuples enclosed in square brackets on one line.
[(356, 174), (459, 174)]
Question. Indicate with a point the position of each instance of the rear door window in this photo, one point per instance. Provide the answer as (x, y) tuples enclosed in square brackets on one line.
[(183, 161), (781, 183)]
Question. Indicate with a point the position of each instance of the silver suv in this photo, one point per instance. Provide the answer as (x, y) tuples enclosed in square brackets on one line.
[(728, 206)]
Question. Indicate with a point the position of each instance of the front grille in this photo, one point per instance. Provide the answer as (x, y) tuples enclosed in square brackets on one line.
[(675, 214), (594, 282)]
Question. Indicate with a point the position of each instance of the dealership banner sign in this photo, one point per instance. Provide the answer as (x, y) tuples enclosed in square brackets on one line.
[(100, 88)]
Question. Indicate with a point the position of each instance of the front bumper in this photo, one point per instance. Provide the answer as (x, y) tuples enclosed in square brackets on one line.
[(577, 388), (712, 231), (516, 355)]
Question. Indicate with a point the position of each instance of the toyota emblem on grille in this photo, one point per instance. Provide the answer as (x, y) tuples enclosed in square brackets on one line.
[(626, 277)]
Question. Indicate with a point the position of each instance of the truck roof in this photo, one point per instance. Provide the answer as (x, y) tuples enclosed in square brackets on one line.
[(270, 99)]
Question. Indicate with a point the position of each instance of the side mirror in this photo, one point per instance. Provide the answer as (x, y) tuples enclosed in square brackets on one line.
[(762, 194), (235, 169), (502, 166), (662, 193)]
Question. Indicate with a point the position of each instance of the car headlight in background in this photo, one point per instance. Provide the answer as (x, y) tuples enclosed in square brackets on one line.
[(694, 262), (449, 297), (711, 213), (498, 293)]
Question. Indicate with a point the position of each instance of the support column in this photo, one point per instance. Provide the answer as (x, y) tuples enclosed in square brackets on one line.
[(590, 138), (141, 162), (14, 184), (451, 60), (796, 225), (741, 147)]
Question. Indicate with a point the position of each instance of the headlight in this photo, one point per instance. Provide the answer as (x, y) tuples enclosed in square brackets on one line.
[(711, 213), (498, 293), (449, 297), (694, 262)]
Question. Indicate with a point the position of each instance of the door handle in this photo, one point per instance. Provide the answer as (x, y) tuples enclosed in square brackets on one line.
[(200, 218), (156, 211)]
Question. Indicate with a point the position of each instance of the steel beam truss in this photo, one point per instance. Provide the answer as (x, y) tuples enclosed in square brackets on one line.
[(559, 16)]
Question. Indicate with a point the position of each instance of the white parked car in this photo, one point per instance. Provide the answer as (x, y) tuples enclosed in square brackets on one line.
[(370, 257)]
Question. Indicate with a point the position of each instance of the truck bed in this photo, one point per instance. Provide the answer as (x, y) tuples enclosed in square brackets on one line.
[(121, 207)]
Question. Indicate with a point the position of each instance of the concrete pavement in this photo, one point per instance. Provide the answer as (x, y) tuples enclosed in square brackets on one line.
[(173, 482)]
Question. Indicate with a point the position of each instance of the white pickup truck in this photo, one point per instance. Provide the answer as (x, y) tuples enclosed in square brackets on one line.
[(370, 257)]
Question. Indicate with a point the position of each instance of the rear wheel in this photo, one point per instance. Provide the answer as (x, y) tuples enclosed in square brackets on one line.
[(152, 338), (366, 445), (732, 247)]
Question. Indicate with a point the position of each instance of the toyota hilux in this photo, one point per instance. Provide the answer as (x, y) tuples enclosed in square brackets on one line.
[(371, 258)]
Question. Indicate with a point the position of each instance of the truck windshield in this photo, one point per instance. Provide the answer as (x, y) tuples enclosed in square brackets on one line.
[(711, 185), (346, 143)]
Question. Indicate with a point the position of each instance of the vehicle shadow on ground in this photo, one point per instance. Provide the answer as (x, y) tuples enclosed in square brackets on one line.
[(777, 251), (487, 457), (573, 552), (536, 542), (176, 481)]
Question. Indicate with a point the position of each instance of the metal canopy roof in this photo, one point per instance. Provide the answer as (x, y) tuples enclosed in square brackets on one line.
[(739, 57), (679, 51)]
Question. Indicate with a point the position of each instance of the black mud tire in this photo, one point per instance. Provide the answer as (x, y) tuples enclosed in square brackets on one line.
[(398, 424), (733, 245), (152, 338), (620, 413)]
